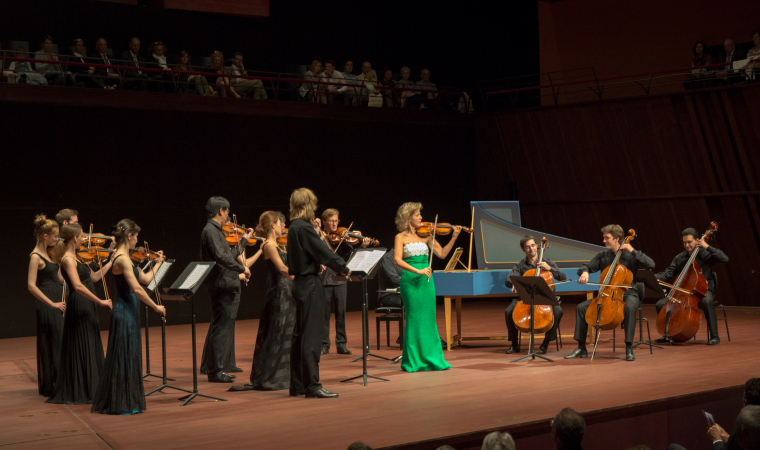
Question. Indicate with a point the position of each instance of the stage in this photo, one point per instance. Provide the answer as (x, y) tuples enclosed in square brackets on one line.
[(652, 401)]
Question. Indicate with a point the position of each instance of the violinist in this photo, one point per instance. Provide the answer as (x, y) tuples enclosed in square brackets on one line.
[(630, 258), (67, 216), (529, 247), (223, 285), (335, 291), (707, 257)]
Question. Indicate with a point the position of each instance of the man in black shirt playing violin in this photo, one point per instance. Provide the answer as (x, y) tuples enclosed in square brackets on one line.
[(630, 258), (529, 247), (707, 257)]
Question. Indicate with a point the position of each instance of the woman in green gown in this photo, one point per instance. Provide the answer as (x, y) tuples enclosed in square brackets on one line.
[(422, 346)]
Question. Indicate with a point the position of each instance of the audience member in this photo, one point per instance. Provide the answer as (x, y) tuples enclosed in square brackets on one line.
[(405, 82), (110, 77), (191, 83), (8, 75), (445, 447), (52, 70), (748, 428), (312, 91), (351, 95), (370, 96), (568, 428), (218, 79), (85, 75), (23, 70), (424, 99), (330, 75), (730, 54), (359, 445), (132, 58), (754, 53), (498, 441), (701, 58), (241, 85), (388, 94), (160, 82)]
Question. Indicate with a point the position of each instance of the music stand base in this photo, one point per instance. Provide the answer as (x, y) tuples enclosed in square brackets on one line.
[(371, 354), (195, 394), (534, 355), (154, 375), (647, 343), (161, 388), (365, 376)]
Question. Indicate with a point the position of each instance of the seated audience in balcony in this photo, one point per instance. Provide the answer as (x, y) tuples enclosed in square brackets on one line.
[(134, 79), (334, 93), (52, 70), (8, 75), (85, 75), (729, 54), (110, 77), (388, 94), (312, 91), (187, 83), (498, 441), (405, 82), (351, 95), (568, 428), (420, 99), (369, 80), (159, 82), (754, 53), (701, 58), (23, 70), (241, 85), (217, 79)]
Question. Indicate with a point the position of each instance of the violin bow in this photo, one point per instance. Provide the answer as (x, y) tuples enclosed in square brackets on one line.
[(432, 249), (102, 275), (241, 249), (343, 238), (153, 270)]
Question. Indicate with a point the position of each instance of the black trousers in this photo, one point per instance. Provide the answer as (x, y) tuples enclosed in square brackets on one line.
[(707, 307), (220, 339), (631, 299), (307, 336), (335, 295), (512, 329)]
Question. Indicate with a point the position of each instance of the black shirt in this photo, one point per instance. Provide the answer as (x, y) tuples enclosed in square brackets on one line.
[(214, 247), (344, 251), (307, 253), (633, 261), (388, 275), (524, 266), (706, 258)]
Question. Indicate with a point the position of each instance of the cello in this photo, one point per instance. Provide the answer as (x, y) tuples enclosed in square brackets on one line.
[(607, 310), (680, 319), (543, 314)]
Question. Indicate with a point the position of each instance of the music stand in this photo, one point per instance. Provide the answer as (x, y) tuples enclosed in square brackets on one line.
[(183, 289), (152, 288), (362, 274), (652, 290), (535, 291)]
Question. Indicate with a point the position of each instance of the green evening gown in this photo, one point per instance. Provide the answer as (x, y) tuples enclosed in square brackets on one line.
[(422, 346)]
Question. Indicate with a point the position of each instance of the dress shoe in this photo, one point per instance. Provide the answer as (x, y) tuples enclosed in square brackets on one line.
[(235, 370), (294, 393), (629, 353), (543, 348), (577, 353), (514, 348), (325, 350), (714, 341), (321, 393), (662, 340), (231, 376), (443, 344), (221, 378), (342, 350)]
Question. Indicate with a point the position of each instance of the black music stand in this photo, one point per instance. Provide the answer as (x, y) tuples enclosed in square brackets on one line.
[(363, 276), (652, 290), (152, 287), (182, 291), (535, 291)]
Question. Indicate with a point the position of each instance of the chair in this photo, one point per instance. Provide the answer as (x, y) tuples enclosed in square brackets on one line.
[(717, 304), (389, 314), (640, 319), (557, 341)]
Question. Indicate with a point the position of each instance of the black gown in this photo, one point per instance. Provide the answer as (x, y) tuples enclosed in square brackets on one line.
[(120, 390), (49, 328), (81, 347)]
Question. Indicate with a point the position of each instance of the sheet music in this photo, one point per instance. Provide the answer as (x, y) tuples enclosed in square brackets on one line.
[(365, 261), (195, 275), (159, 275)]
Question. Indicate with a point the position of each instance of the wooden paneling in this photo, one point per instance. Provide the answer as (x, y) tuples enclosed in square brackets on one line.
[(656, 164)]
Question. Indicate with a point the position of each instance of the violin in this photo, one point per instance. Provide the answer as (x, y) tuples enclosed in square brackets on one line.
[(426, 229), (543, 315), (141, 254), (282, 241), (606, 311), (353, 237), (679, 320), (96, 239), (93, 253), (51, 252)]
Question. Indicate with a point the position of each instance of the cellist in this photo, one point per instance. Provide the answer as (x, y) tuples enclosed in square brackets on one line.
[(706, 258), (529, 247), (630, 258)]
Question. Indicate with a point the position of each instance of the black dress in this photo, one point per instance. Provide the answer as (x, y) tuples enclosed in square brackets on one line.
[(49, 327), (120, 390), (271, 356), (81, 347)]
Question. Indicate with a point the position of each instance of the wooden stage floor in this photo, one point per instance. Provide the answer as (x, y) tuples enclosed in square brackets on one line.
[(483, 391)]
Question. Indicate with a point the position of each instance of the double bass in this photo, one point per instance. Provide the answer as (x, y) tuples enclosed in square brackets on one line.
[(543, 316), (679, 320)]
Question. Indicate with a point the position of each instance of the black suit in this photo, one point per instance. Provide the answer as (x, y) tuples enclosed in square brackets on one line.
[(737, 55), (82, 74), (136, 79), (160, 82)]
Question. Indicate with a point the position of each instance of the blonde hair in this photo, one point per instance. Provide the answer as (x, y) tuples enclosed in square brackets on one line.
[(265, 223), (303, 204), (43, 226), (329, 212), (615, 230), (68, 232), (314, 64), (404, 212)]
